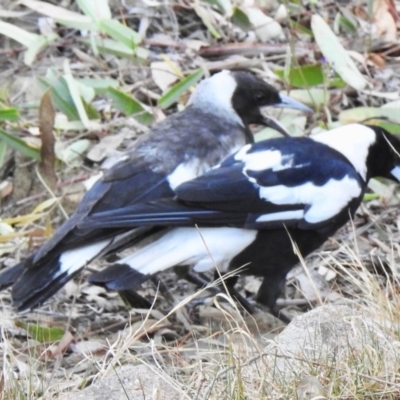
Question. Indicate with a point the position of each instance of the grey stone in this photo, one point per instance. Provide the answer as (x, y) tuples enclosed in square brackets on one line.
[(129, 382), (327, 336)]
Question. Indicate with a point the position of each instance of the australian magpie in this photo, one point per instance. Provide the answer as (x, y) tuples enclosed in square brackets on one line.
[(255, 208), (183, 146)]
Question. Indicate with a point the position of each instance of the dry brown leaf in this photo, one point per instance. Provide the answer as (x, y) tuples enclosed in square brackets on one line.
[(89, 347), (65, 341), (377, 60), (385, 16), (6, 188), (47, 152)]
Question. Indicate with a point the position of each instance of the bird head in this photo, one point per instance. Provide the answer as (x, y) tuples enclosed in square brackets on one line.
[(241, 97), (372, 150)]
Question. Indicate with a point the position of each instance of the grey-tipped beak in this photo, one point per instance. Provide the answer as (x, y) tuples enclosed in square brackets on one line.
[(288, 102), (395, 172), (275, 124)]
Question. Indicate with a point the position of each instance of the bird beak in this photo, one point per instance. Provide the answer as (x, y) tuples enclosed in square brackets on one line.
[(288, 102), (274, 124), (395, 172)]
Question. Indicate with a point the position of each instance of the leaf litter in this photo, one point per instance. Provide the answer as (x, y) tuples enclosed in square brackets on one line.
[(109, 88)]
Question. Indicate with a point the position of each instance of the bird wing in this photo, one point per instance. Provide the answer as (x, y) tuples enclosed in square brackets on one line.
[(293, 181)]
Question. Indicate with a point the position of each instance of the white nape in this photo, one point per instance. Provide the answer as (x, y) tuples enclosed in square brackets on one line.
[(203, 248), (353, 141), (214, 95)]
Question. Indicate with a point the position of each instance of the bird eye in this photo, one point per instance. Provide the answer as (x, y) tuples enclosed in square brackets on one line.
[(259, 96)]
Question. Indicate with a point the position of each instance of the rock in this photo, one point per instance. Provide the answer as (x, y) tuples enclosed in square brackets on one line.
[(331, 337), (136, 382)]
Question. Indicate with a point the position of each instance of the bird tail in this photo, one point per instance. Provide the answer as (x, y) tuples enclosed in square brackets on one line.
[(41, 280), (10, 275), (176, 247)]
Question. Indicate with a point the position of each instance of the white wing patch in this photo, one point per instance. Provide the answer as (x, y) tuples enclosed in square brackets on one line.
[(353, 141), (187, 171), (73, 260), (323, 202), (203, 248), (267, 159), (282, 215)]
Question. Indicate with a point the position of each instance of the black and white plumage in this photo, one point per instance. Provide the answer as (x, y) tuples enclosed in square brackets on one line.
[(183, 146), (253, 206)]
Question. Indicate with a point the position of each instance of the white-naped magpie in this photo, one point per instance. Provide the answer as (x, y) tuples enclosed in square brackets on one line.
[(252, 208), (183, 146)]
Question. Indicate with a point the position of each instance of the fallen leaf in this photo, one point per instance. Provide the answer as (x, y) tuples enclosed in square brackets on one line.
[(62, 346), (163, 74), (335, 54), (47, 153), (6, 188), (265, 27), (384, 20)]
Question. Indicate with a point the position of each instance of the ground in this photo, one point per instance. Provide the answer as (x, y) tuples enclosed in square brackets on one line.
[(94, 69)]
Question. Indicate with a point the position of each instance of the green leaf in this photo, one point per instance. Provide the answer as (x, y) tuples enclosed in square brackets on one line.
[(130, 106), (90, 110), (300, 28), (240, 19), (61, 97), (100, 86), (371, 196), (173, 95), (9, 114), (61, 15), (118, 49), (337, 57), (96, 10), (307, 76), (76, 98), (36, 47), (19, 35), (19, 145), (42, 334), (121, 33), (3, 150), (204, 15), (368, 114)]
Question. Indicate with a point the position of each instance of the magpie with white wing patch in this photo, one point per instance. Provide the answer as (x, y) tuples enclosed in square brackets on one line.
[(183, 146), (252, 208)]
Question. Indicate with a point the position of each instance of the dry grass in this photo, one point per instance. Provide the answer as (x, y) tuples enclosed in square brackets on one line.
[(215, 352)]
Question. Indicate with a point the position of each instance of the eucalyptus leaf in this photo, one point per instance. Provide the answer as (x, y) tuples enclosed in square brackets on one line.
[(240, 19), (204, 15), (366, 114), (121, 33), (9, 114), (42, 334), (3, 150), (130, 106), (61, 15), (111, 46), (335, 53), (20, 145), (61, 97), (173, 95), (96, 9), (36, 47)]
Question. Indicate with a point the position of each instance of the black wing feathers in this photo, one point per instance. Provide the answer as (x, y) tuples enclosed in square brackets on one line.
[(231, 194)]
